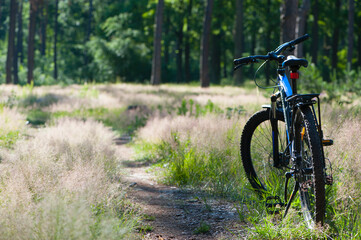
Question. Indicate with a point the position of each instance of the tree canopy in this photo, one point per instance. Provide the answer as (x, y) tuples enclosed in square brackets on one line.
[(112, 41)]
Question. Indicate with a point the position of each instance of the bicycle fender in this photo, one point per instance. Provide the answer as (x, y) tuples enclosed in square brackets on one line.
[(268, 106)]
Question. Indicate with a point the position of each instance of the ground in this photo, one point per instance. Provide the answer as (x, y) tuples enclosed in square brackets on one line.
[(174, 213)]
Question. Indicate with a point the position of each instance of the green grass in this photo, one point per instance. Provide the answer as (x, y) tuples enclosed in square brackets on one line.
[(188, 158), (116, 118), (203, 228), (37, 117), (9, 139)]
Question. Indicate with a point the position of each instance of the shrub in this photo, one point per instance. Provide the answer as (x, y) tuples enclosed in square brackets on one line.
[(62, 183)]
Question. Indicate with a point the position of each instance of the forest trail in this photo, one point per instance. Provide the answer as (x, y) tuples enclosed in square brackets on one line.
[(173, 213)]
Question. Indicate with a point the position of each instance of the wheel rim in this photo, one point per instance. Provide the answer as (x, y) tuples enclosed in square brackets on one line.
[(267, 177), (305, 179)]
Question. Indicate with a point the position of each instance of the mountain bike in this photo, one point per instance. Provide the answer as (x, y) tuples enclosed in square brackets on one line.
[(282, 144)]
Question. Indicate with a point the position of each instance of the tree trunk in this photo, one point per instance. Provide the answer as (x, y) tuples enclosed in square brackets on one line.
[(268, 41), (166, 45), (20, 48), (179, 52), (351, 21), (55, 39), (157, 52), (87, 73), (44, 22), (16, 54), (301, 24), (289, 10), (238, 40), (31, 39), (187, 45), (336, 33), (204, 65), (314, 44), (11, 42)]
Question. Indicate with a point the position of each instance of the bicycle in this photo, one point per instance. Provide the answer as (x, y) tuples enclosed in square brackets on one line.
[(286, 138)]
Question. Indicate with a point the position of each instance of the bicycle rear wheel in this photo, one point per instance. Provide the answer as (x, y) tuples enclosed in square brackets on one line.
[(257, 153), (310, 167)]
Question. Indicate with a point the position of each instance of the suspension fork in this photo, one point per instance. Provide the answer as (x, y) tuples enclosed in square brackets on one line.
[(274, 125)]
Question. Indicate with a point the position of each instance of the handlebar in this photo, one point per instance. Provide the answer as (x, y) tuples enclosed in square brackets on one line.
[(274, 55), (291, 44)]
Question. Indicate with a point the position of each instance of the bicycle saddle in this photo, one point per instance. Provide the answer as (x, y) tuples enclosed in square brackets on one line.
[(293, 61)]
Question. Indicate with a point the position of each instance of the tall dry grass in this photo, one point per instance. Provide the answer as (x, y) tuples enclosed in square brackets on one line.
[(346, 158), (200, 152), (12, 125), (63, 183)]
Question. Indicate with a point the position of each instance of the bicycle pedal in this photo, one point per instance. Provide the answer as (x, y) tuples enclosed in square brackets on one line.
[(273, 204), (329, 180), (327, 142)]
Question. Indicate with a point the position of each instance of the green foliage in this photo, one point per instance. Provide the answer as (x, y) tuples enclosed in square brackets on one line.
[(114, 43), (203, 228), (121, 54), (7, 140), (211, 169), (195, 109), (119, 120), (88, 91), (37, 117)]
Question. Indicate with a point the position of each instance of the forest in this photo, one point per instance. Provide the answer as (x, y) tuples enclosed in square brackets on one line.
[(122, 119), (77, 41)]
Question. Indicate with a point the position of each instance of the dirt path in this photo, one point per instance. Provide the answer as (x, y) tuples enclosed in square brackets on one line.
[(178, 214)]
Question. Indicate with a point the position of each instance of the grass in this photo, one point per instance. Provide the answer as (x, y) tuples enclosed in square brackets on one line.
[(203, 228), (12, 126), (201, 150), (62, 183), (62, 178)]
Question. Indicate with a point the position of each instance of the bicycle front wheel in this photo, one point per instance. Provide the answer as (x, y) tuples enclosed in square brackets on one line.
[(310, 167), (257, 152)]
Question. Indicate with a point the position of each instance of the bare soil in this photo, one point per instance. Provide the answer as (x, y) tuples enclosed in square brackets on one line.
[(174, 213)]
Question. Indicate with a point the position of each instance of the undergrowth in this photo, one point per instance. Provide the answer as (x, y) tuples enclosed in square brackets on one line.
[(190, 134), (63, 184)]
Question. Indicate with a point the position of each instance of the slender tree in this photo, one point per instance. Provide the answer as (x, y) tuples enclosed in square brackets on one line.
[(11, 42), (336, 33), (301, 24), (289, 10), (16, 54), (351, 21), (31, 39), (238, 39), (20, 49), (87, 38), (268, 39), (44, 23), (156, 63), (166, 43), (314, 43), (204, 65), (179, 43), (187, 45), (56, 39)]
